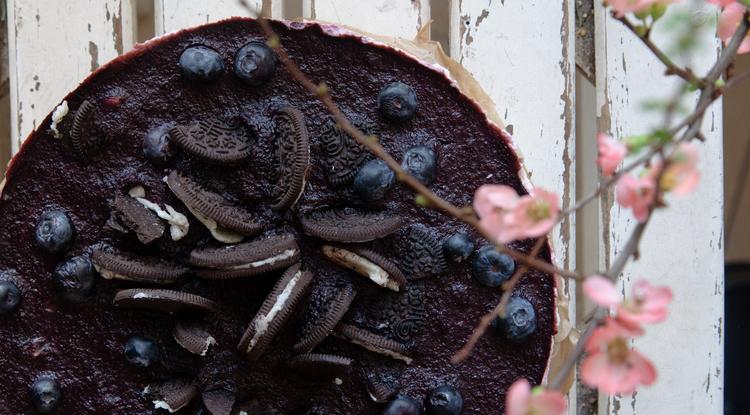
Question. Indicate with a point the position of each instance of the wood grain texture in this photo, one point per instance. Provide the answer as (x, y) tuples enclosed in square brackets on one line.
[(384, 17), (53, 45), (171, 15), (683, 245), (531, 78)]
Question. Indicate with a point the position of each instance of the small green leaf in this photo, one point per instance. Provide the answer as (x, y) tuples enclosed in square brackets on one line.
[(420, 200), (658, 10), (636, 142)]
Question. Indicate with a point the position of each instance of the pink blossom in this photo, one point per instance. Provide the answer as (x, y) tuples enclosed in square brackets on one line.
[(637, 194), (646, 304), (611, 153), (722, 3), (682, 175), (626, 6), (601, 291), (729, 19), (612, 365), (522, 400), (510, 217)]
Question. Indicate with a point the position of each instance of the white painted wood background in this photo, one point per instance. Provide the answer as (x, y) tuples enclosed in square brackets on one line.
[(683, 246), (522, 52)]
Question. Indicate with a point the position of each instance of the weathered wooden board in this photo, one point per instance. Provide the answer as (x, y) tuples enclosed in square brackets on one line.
[(53, 45), (683, 246), (383, 17), (171, 15)]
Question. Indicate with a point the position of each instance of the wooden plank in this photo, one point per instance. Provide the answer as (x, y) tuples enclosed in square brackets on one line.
[(53, 46), (531, 76), (683, 245), (171, 15), (383, 17)]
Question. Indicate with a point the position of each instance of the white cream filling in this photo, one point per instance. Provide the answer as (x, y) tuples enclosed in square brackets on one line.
[(178, 223), (144, 295), (164, 405), (360, 265), (268, 261), (108, 275), (262, 322), (338, 381), (210, 341), (219, 233), (57, 116)]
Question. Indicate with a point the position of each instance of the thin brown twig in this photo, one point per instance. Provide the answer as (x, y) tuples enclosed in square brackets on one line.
[(672, 68), (499, 309)]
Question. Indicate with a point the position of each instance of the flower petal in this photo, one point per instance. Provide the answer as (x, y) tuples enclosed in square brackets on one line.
[(601, 291)]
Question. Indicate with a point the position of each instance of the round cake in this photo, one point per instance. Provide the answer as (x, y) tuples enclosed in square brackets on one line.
[(190, 231)]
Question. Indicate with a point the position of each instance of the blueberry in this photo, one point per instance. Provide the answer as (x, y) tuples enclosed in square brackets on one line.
[(374, 180), (458, 247), (520, 319), (492, 268), (254, 63), (201, 63), (10, 297), (156, 144), (444, 400), (421, 162), (403, 405), (397, 102), (75, 279), (54, 232), (45, 394), (142, 351)]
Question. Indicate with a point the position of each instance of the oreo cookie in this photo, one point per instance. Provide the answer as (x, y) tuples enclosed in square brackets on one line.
[(86, 135), (245, 259), (172, 395), (274, 312), (119, 266), (348, 224), (367, 263), (320, 366), (193, 336), (130, 216), (166, 301), (292, 156), (423, 254), (214, 140), (342, 155), (329, 304), (226, 221), (373, 342)]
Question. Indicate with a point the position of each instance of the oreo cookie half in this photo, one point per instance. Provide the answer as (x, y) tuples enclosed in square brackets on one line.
[(348, 224), (373, 342), (124, 267), (321, 366), (246, 259), (214, 140), (193, 337), (367, 263), (327, 308), (274, 312), (293, 156), (227, 222), (172, 395), (86, 136), (129, 215), (166, 301)]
